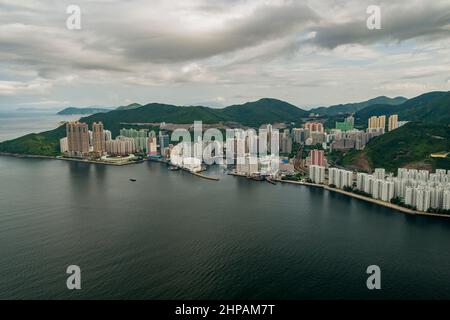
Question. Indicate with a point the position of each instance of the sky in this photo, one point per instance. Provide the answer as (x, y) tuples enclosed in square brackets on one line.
[(219, 52)]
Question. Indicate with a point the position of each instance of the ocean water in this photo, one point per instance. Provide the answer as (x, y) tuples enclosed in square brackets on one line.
[(171, 235), (17, 124)]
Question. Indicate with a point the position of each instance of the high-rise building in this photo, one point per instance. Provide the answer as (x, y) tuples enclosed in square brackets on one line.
[(299, 135), (377, 123), (77, 138), (393, 122), (247, 165), (108, 135), (314, 127), (382, 122), (346, 125), (380, 173), (372, 123), (98, 138), (286, 142), (139, 136), (164, 141), (317, 174), (340, 178), (121, 146), (64, 145), (350, 120), (152, 146), (446, 200), (317, 158)]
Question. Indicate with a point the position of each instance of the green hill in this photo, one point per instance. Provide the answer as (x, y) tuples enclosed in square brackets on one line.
[(43, 144), (263, 111), (354, 107), (410, 145), (154, 112), (432, 107), (250, 114)]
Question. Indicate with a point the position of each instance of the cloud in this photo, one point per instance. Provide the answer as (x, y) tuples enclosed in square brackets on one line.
[(415, 20), (186, 51), (45, 103), (186, 42), (14, 88)]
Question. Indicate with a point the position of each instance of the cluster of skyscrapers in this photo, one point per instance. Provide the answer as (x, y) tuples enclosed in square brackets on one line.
[(423, 190), (343, 138), (376, 185), (258, 154), (417, 189), (346, 125), (81, 142), (376, 123), (351, 139)]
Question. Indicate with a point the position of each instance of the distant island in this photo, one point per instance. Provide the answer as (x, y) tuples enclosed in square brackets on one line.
[(82, 111)]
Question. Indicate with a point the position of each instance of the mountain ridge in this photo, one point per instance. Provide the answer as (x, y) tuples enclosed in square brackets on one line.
[(430, 107), (356, 106)]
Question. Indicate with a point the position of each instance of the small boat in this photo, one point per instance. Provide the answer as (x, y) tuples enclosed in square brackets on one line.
[(172, 168), (133, 180)]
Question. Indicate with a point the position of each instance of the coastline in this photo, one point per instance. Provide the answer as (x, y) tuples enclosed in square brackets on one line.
[(15, 155), (197, 174), (367, 199), (308, 184)]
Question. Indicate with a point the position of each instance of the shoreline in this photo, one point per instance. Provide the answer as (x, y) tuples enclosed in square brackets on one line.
[(197, 174), (367, 199), (15, 155), (308, 184)]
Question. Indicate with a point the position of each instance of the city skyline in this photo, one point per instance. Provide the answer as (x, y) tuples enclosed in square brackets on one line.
[(225, 158)]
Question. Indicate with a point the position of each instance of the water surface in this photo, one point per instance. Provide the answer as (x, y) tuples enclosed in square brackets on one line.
[(171, 235)]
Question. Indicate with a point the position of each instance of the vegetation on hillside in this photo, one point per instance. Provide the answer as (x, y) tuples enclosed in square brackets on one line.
[(411, 144), (432, 107), (43, 144)]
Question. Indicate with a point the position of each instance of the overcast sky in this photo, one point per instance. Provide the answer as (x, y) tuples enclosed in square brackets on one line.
[(222, 52)]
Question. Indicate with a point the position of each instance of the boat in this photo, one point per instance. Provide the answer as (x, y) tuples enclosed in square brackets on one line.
[(172, 168), (133, 180)]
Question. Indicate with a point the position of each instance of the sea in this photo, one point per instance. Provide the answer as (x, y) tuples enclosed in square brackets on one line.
[(17, 124), (172, 235)]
